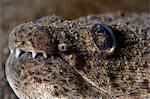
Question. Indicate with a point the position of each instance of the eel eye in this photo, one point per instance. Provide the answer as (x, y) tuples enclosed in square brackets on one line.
[(103, 38)]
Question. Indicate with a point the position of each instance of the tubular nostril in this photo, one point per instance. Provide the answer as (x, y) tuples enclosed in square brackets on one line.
[(23, 42), (103, 38), (62, 47)]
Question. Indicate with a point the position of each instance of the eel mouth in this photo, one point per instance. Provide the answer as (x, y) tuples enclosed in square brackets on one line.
[(18, 52)]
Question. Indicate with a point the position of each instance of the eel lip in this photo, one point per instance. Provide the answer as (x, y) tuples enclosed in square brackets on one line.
[(17, 52)]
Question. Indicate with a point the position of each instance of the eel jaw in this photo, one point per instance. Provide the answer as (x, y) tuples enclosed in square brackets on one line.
[(17, 52)]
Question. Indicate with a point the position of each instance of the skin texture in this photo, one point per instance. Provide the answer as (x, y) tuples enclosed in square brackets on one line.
[(22, 37), (75, 66)]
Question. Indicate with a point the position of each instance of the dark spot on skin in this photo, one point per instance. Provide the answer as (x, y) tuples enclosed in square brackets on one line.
[(134, 93), (22, 68), (145, 65), (104, 84), (63, 81), (123, 89), (98, 75), (71, 78), (19, 31), (55, 87), (80, 61), (45, 79), (31, 73), (66, 90), (18, 71), (122, 14), (16, 41), (56, 91), (53, 76), (22, 30), (29, 33), (115, 85), (30, 40), (48, 69), (132, 69), (48, 62), (84, 43), (111, 76), (23, 42), (37, 79), (30, 28), (25, 83), (37, 73), (145, 84), (46, 44), (17, 83)]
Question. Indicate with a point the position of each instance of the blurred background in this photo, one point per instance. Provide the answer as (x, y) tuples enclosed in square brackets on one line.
[(14, 12)]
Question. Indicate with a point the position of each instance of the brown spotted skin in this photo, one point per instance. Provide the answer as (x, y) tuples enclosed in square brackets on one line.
[(48, 20), (79, 70), (30, 38), (57, 79)]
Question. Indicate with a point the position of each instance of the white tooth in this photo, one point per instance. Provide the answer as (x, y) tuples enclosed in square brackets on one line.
[(34, 55), (45, 55), (11, 51), (17, 52), (100, 97)]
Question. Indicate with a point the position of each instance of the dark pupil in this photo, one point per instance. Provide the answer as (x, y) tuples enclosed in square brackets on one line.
[(62, 47), (101, 37)]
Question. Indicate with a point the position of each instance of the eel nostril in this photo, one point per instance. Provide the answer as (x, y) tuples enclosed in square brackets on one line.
[(23, 42), (62, 47), (16, 41), (103, 38)]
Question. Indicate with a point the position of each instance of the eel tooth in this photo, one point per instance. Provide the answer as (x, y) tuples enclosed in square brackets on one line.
[(34, 54), (17, 52), (11, 51), (45, 55)]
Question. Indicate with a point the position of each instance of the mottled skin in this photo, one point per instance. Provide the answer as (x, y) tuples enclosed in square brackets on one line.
[(29, 37), (79, 69)]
